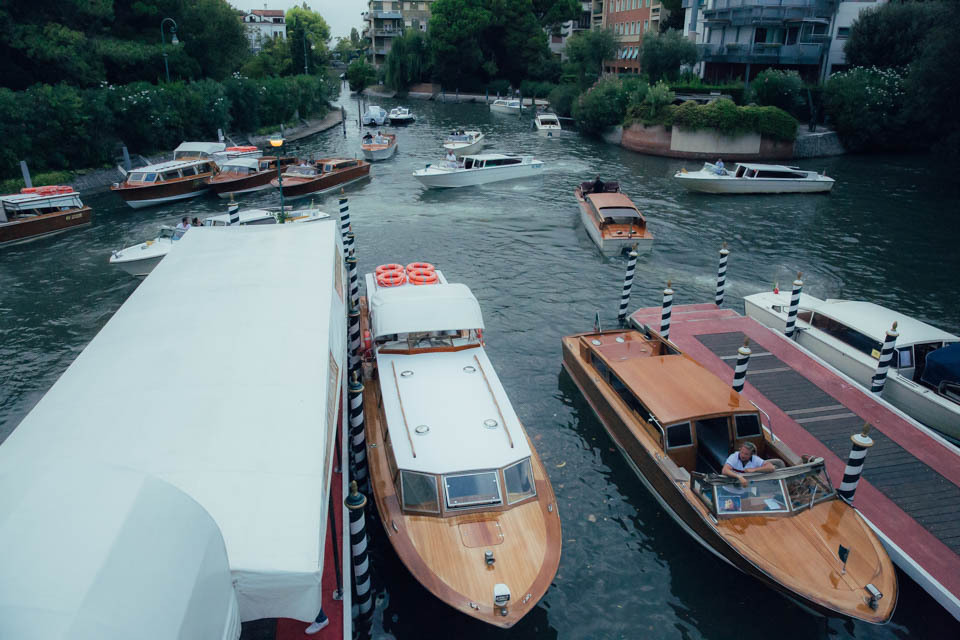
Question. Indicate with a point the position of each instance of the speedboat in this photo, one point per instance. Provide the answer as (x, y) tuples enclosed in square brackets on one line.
[(547, 124), (374, 116), (140, 259), (462, 494), (923, 380), (677, 424), (246, 175), (165, 182), (379, 147), (479, 169), (40, 211), (506, 105), (611, 219), (463, 142), (321, 176), (400, 116), (754, 178)]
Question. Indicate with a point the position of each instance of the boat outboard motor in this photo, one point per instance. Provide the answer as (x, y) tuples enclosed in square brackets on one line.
[(501, 596)]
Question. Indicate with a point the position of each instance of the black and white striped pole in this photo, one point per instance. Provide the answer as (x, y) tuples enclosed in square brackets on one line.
[(858, 453), (722, 273), (355, 503), (883, 364), (354, 282), (665, 312), (344, 218), (358, 440), (743, 360), (353, 345), (233, 211), (627, 284), (794, 306), (349, 244)]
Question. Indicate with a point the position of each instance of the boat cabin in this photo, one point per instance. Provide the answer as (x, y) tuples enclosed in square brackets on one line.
[(19, 206), (198, 150), (170, 172), (333, 165), (453, 442), (489, 161), (510, 104), (768, 171), (548, 120), (615, 209)]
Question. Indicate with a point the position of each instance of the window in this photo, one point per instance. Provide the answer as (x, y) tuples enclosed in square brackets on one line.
[(627, 396), (262, 221), (843, 33), (189, 171), (808, 489), (804, 315), (679, 435), (170, 175), (519, 481), (761, 496), (472, 489), (599, 366), (136, 177), (904, 358), (419, 492), (747, 425), (845, 334), (646, 25)]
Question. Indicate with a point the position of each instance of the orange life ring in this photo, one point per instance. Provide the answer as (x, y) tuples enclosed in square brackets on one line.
[(367, 340), (422, 276), (420, 266), (48, 190), (29, 190), (391, 278), (385, 268), (250, 148)]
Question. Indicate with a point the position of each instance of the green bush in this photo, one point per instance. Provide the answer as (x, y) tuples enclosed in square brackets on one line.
[(562, 99), (729, 119), (499, 86), (868, 107), (603, 105), (777, 88), (531, 88), (360, 74)]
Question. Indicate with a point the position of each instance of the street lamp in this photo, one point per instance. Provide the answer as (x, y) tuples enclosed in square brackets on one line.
[(173, 41), (277, 143), (312, 47)]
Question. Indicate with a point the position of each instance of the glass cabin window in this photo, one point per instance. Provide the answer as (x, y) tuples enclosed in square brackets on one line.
[(419, 492), (189, 171), (170, 175), (808, 489), (760, 496), (845, 334), (679, 435), (905, 358), (748, 426), (472, 489), (262, 221), (519, 480), (136, 177)]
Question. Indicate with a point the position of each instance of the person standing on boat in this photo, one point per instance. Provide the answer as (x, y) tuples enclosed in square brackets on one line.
[(451, 158), (718, 167), (597, 185), (745, 461)]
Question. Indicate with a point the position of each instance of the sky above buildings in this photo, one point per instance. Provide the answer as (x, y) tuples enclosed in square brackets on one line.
[(341, 15)]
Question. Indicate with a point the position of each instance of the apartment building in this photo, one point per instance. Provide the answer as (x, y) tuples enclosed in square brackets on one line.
[(263, 25), (630, 20), (387, 19), (558, 39)]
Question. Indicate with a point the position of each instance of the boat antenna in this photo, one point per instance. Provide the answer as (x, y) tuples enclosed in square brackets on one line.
[(596, 322)]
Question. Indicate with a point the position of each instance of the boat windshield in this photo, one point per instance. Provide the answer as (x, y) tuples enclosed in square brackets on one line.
[(519, 481), (235, 168), (760, 496), (169, 232), (784, 491), (308, 172), (142, 177), (621, 215), (472, 489)]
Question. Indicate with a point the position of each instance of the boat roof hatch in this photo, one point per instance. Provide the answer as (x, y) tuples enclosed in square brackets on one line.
[(435, 307)]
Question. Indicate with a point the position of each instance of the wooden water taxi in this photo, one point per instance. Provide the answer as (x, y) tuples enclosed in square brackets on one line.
[(677, 424), (40, 211), (165, 182), (379, 147), (321, 176), (246, 175), (849, 336), (611, 219), (462, 494)]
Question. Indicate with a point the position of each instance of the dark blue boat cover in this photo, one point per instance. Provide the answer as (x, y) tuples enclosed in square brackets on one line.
[(943, 365)]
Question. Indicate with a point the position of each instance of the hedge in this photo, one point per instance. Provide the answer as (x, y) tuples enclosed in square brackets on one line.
[(729, 119)]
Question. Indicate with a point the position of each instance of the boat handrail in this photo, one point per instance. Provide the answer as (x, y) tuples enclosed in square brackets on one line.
[(396, 382), (494, 396), (652, 419), (769, 420)]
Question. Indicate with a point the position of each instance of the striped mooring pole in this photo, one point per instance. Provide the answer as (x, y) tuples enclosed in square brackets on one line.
[(350, 243), (233, 210), (354, 282), (627, 285), (794, 306), (665, 312), (353, 345), (344, 220), (883, 363), (722, 273), (743, 360), (858, 453), (355, 503), (358, 440)]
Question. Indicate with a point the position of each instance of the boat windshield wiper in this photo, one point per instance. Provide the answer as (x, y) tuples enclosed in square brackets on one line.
[(813, 494)]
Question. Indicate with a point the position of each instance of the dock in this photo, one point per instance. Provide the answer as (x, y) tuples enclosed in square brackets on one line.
[(910, 488)]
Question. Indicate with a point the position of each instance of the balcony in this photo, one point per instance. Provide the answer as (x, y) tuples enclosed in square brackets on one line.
[(387, 33), (762, 53), (766, 12), (388, 15)]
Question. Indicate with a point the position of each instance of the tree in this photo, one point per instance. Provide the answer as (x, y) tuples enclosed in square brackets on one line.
[(516, 41), (456, 30), (587, 50), (274, 59), (674, 15), (355, 38), (553, 13), (344, 48), (360, 75), (891, 35), (662, 55), (307, 28), (408, 61)]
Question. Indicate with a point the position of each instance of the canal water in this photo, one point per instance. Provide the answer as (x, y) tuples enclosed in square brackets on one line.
[(887, 233)]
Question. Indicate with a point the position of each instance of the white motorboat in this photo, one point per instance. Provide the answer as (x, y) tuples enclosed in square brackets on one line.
[(379, 147), (754, 178), (924, 376), (463, 142), (374, 116), (140, 259), (401, 115), (479, 169), (506, 105), (547, 124)]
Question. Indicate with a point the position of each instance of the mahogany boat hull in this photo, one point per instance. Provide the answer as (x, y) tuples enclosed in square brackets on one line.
[(225, 186), (669, 493), (162, 192), (300, 188), (612, 239), (31, 228)]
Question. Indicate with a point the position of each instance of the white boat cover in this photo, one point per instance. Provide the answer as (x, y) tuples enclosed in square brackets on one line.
[(221, 375), (435, 307), (208, 148), (95, 552)]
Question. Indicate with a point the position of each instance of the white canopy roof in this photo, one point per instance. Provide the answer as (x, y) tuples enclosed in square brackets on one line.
[(104, 553), (435, 307), (243, 161), (19, 201), (200, 147), (221, 375), (874, 320)]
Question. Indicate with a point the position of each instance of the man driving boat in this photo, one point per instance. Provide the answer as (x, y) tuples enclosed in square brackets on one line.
[(745, 461)]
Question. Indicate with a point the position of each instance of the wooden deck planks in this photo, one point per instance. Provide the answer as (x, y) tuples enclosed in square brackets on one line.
[(925, 495)]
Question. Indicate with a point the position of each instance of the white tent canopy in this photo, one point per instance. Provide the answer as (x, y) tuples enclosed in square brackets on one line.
[(435, 307), (104, 553)]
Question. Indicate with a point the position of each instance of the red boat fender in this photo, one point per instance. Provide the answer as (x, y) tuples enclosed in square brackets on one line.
[(250, 148), (28, 190)]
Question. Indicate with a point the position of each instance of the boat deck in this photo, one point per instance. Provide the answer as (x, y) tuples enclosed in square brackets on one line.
[(910, 488)]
